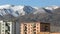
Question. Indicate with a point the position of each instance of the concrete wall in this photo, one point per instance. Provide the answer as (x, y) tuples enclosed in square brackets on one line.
[(13, 28), (17, 28), (55, 33), (0, 28), (55, 27)]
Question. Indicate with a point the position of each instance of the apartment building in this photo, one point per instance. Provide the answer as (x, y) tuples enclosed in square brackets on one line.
[(34, 27), (5, 27), (9, 27)]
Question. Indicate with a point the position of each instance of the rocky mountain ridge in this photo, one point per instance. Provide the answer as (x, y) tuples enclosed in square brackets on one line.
[(28, 13)]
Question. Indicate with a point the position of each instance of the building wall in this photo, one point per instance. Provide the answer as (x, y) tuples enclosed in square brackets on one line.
[(37, 27), (31, 28), (10, 26), (13, 28), (0, 28), (17, 28), (55, 27), (5, 27), (55, 33)]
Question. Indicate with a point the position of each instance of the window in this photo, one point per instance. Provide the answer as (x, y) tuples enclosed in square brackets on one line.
[(34, 32), (28, 25), (25, 26), (34, 25), (6, 30), (45, 27), (25, 32), (2, 30), (37, 27), (6, 24), (34, 29), (8, 33)]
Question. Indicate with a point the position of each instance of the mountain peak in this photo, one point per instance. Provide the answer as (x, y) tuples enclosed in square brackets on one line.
[(22, 10), (5, 6), (52, 7)]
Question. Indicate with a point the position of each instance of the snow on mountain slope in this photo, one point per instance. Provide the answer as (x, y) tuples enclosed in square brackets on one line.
[(39, 10), (52, 7), (17, 11), (5, 6)]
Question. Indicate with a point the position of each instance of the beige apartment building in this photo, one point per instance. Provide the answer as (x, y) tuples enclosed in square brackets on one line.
[(34, 27)]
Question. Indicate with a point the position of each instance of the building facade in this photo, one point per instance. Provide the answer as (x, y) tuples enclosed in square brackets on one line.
[(5, 27), (0, 28), (33, 27)]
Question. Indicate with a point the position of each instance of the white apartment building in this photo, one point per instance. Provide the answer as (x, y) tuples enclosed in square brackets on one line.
[(5, 27), (9, 27)]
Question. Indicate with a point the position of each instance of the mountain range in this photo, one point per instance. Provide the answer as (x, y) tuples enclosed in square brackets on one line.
[(28, 13)]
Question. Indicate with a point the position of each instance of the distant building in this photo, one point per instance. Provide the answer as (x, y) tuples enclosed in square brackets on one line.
[(34, 27)]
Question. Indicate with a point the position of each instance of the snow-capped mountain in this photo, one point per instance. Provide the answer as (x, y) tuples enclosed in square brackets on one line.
[(12, 12), (19, 10)]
